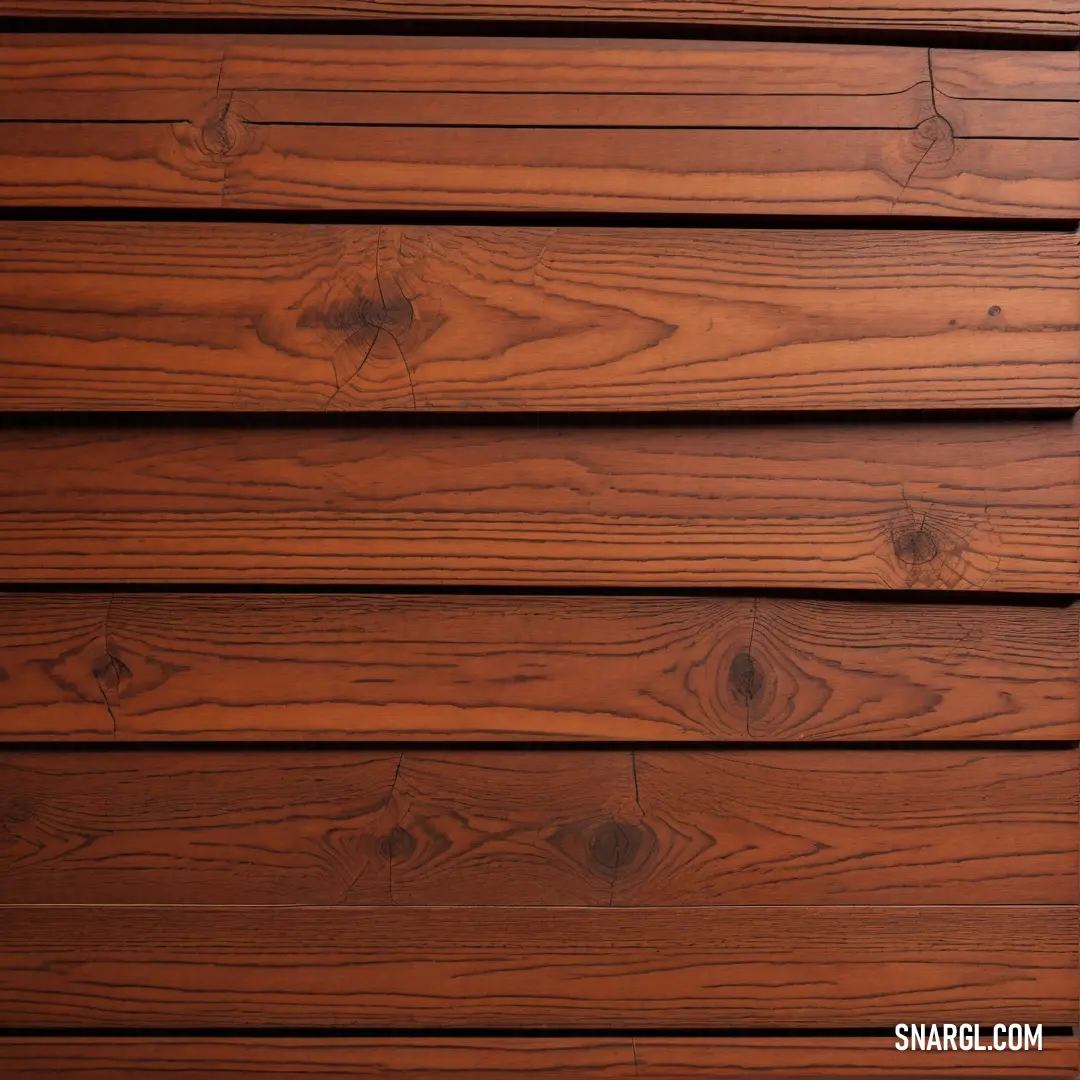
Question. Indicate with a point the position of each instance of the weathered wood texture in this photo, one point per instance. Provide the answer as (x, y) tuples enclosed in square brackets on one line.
[(527, 968), (1012, 16), (613, 1057), (248, 316), (861, 506), (344, 666), (538, 124), (649, 828)]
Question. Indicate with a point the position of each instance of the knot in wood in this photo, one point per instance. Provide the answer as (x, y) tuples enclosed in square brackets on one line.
[(913, 547), (614, 844), (18, 808), (745, 677), (225, 135), (397, 845), (111, 672), (353, 311), (392, 312), (934, 140)]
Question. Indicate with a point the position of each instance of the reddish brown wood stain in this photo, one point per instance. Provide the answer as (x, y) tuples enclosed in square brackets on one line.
[(309, 317), (241, 667), (964, 507), (375, 746)]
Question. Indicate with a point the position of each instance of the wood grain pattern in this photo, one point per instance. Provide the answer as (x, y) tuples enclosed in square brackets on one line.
[(613, 1057), (305, 317), (546, 82), (218, 828), (345, 666), (653, 171), (1012, 16), (488, 68), (1002, 95), (528, 968), (498, 124), (48, 647), (859, 506), (585, 828)]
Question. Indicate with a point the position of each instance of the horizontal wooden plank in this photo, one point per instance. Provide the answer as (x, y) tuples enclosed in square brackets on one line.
[(1010, 16), (542, 828), (303, 317), (536, 81), (83, 66), (989, 505), (346, 666), (526, 968), (485, 169), (649, 828), (535, 124), (612, 1057)]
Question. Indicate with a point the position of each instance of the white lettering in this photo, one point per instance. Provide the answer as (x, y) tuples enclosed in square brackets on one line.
[(954, 1037)]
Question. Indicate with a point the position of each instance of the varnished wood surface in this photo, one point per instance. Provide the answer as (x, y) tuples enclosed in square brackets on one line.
[(854, 505), (344, 666), (306, 317), (1011, 16), (526, 968), (647, 828), (537, 124), (613, 1057)]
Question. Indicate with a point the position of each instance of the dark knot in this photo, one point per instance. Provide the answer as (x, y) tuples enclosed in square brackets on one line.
[(745, 677), (111, 673), (614, 844), (226, 134), (18, 808), (914, 547), (398, 845), (353, 309)]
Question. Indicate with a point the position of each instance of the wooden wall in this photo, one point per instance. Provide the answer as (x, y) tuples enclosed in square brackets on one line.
[(538, 539)]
